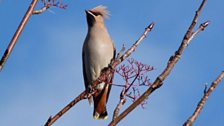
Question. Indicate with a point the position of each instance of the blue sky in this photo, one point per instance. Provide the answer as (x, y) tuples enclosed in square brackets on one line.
[(44, 71)]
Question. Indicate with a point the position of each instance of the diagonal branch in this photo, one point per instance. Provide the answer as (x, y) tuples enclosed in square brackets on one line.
[(105, 76), (17, 33), (30, 11), (201, 104), (120, 103), (171, 63), (51, 120), (133, 47)]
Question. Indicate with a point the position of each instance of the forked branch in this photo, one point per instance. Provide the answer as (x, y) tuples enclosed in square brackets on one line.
[(171, 63), (201, 103)]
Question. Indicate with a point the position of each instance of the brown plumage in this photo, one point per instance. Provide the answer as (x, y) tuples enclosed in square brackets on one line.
[(98, 51)]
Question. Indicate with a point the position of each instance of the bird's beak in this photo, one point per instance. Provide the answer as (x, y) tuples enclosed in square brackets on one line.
[(88, 12), (90, 17)]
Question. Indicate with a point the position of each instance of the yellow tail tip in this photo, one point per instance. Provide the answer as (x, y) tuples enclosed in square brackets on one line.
[(98, 117), (105, 117)]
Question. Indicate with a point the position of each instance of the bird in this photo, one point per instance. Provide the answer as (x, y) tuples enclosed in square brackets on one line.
[(97, 53)]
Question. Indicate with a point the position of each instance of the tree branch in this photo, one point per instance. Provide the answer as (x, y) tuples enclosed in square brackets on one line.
[(171, 63), (201, 103), (51, 120), (105, 76), (133, 47), (41, 10), (120, 104), (50, 3), (17, 33), (22, 24)]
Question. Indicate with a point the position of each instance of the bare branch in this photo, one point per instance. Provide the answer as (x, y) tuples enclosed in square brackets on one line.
[(200, 28), (121, 52), (132, 49), (43, 9), (120, 104), (51, 119), (201, 103), (17, 33), (171, 63), (29, 12)]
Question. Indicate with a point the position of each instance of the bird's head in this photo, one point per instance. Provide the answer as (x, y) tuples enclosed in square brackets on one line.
[(96, 15)]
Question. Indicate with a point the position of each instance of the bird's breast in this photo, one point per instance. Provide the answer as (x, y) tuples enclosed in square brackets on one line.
[(99, 54)]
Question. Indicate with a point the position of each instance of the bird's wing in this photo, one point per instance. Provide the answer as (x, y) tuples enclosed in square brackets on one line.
[(111, 81), (84, 71), (114, 52), (87, 83)]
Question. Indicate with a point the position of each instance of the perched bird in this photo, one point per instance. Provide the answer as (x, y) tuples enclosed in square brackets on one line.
[(97, 53)]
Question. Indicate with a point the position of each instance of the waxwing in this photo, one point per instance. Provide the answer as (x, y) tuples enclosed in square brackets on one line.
[(97, 53)]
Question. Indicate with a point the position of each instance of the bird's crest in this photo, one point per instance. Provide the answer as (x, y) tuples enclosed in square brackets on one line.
[(101, 10)]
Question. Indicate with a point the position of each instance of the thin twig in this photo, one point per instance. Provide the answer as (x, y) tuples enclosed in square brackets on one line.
[(133, 47), (51, 119), (201, 103), (121, 51), (41, 10), (123, 97), (120, 104), (17, 33), (105, 73), (201, 28), (48, 4), (134, 72), (171, 63)]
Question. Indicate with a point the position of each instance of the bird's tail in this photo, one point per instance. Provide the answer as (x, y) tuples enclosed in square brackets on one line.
[(98, 116)]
